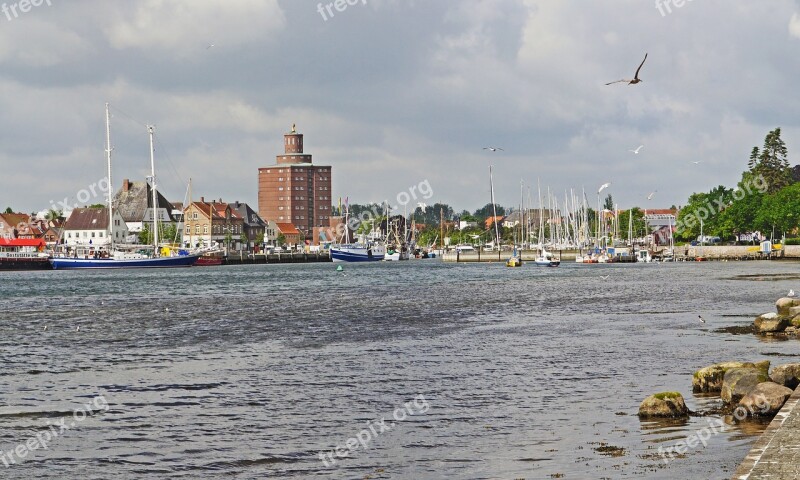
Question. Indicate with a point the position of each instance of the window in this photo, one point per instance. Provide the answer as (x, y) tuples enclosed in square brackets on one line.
[(197, 229), (280, 208), (188, 230), (280, 189), (195, 215), (101, 235), (280, 179), (85, 235), (205, 228), (69, 235)]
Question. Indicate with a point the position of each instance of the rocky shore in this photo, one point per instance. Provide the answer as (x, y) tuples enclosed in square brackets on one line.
[(747, 389)]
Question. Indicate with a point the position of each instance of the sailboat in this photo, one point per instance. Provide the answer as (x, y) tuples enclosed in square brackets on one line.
[(120, 259)]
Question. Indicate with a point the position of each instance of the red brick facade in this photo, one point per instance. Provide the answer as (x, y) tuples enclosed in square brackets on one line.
[(294, 190)]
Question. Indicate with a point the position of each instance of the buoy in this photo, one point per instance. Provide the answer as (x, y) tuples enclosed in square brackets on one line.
[(339, 268)]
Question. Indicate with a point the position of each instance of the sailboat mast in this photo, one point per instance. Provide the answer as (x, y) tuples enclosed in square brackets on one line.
[(110, 183), (494, 209), (150, 130), (191, 242)]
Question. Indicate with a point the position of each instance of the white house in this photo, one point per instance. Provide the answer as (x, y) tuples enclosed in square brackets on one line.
[(89, 227)]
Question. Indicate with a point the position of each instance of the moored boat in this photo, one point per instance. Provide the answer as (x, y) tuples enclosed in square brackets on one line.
[(358, 252)]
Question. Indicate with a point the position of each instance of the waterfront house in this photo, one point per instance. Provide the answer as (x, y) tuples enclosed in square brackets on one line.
[(289, 232), (13, 225), (212, 223), (134, 202), (21, 245), (253, 225), (88, 227)]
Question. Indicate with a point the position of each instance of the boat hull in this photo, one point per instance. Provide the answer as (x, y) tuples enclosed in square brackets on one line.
[(24, 263), (356, 255), (547, 263), (104, 264)]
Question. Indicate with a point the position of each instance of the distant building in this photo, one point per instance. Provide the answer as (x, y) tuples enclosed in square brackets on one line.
[(88, 227), (491, 220), (661, 224), (210, 223), (253, 225), (134, 202), (462, 224), (289, 232), (295, 191)]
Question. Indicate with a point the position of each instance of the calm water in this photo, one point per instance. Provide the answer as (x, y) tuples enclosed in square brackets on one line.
[(254, 371)]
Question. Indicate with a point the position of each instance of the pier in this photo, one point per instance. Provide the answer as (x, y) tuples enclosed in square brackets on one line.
[(289, 257), (776, 454)]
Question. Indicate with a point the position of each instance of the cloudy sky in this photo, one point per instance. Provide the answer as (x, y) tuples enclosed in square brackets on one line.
[(395, 92)]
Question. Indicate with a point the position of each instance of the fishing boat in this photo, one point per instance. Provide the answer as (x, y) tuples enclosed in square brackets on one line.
[(149, 257), (358, 252)]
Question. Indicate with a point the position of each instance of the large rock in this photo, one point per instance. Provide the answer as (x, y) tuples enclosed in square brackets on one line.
[(709, 379), (793, 312), (738, 382), (665, 404), (784, 304), (766, 399), (795, 321), (771, 323), (787, 375)]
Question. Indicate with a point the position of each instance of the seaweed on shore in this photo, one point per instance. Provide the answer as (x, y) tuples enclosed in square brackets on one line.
[(737, 329)]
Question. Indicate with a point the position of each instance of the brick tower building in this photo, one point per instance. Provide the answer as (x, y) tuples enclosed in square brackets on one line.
[(294, 190)]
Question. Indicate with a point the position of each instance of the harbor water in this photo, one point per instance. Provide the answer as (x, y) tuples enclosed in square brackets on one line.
[(457, 371)]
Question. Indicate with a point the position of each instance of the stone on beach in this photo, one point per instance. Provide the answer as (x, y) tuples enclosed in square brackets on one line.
[(738, 382), (771, 323), (787, 375), (785, 304), (665, 404), (709, 379), (766, 399)]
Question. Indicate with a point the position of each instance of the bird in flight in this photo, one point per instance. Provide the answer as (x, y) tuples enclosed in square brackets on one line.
[(697, 162), (651, 194), (604, 277), (701, 318), (637, 149), (493, 149), (210, 46), (604, 186), (636, 78)]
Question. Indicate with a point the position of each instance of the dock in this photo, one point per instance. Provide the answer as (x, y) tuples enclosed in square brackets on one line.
[(289, 257), (776, 454)]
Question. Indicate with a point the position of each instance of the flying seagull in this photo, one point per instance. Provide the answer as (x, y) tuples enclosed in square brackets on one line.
[(494, 149), (649, 197), (791, 293), (604, 277), (636, 78), (604, 186), (701, 318), (697, 162), (210, 46), (637, 149)]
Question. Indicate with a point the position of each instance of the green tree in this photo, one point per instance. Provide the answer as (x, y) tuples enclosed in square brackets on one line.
[(259, 239), (280, 240), (244, 240), (8, 210), (772, 162), (639, 225), (97, 205), (608, 204)]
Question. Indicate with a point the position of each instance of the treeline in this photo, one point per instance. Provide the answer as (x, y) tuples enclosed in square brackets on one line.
[(766, 199)]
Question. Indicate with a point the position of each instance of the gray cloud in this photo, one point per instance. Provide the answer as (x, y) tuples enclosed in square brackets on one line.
[(394, 92)]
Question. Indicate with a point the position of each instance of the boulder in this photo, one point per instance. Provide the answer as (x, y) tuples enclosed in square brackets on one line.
[(738, 382), (709, 379), (771, 323), (793, 311), (784, 304), (787, 375), (766, 399), (763, 366), (795, 321), (665, 404)]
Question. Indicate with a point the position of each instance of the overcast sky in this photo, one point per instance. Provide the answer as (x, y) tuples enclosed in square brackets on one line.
[(395, 92)]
